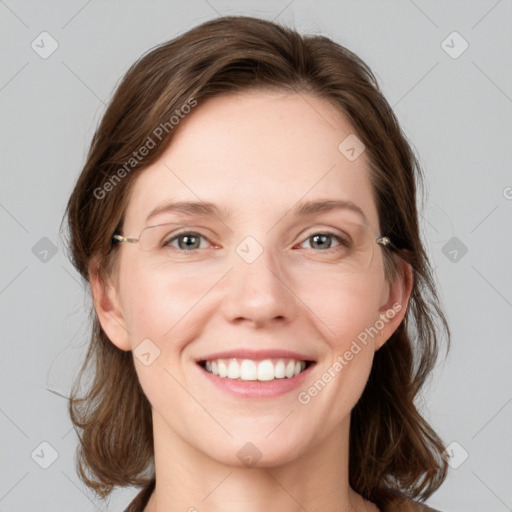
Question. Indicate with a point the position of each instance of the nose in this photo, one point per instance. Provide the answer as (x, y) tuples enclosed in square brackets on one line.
[(259, 293)]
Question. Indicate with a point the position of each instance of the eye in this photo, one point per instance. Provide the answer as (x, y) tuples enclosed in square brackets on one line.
[(187, 241), (324, 241)]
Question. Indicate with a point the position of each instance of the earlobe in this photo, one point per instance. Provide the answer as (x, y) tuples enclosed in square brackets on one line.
[(108, 309), (392, 312)]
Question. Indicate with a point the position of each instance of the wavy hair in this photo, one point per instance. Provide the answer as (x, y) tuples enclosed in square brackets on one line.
[(392, 447)]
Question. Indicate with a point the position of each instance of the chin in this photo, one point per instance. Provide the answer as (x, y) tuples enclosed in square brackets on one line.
[(252, 448), (260, 453)]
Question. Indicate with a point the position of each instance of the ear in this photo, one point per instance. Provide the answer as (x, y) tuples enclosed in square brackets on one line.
[(393, 310), (108, 308)]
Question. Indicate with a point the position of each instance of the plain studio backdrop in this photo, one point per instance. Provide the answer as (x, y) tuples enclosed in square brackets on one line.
[(445, 69)]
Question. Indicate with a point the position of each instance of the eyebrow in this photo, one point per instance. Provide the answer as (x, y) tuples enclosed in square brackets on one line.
[(207, 209), (197, 208), (311, 208)]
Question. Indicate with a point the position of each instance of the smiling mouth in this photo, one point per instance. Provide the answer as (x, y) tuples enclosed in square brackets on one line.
[(264, 370)]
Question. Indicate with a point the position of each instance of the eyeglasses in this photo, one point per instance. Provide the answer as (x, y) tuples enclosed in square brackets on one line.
[(350, 246)]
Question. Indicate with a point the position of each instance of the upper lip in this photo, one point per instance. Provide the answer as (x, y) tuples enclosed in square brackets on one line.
[(257, 355)]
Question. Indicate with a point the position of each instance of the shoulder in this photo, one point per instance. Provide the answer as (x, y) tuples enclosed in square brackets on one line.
[(141, 500), (414, 506), (394, 501)]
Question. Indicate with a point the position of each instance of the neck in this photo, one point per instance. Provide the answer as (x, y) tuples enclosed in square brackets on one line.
[(189, 480)]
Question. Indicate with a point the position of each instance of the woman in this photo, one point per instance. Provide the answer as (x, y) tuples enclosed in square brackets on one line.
[(264, 310)]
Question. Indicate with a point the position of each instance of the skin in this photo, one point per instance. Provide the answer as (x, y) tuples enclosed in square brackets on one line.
[(255, 155)]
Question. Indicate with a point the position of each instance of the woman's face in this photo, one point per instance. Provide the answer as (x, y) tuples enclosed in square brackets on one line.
[(262, 288)]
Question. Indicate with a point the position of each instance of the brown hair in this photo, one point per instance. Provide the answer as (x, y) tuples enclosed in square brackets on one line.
[(392, 447)]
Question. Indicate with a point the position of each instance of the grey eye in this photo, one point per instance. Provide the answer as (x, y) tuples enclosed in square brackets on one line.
[(186, 241), (320, 241)]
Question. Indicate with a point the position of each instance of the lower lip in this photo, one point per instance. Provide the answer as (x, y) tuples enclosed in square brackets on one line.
[(256, 388)]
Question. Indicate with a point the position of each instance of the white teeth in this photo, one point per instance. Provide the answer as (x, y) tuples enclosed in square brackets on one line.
[(289, 369), (265, 370), (247, 369), (223, 369), (279, 370), (233, 370)]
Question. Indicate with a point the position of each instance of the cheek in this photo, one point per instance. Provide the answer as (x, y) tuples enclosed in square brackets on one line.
[(340, 379), (157, 302), (163, 314), (159, 312), (345, 305), (348, 311)]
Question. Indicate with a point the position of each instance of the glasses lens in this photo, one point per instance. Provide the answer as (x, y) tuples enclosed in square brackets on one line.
[(349, 245), (157, 238)]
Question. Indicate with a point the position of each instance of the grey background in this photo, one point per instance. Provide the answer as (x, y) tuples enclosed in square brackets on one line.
[(456, 111)]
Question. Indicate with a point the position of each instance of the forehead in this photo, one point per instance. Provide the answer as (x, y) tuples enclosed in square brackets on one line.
[(256, 155)]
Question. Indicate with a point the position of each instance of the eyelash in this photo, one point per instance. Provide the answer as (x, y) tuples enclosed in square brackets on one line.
[(341, 241)]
